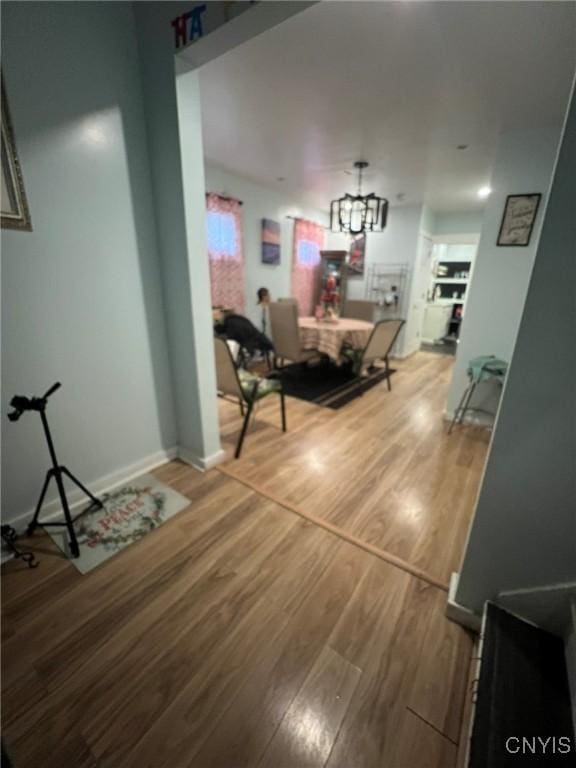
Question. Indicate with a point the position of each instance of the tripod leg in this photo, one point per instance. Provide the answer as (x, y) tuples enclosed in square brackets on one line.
[(74, 548), (75, 480), (467, 402), (458, 409), (33, 524)]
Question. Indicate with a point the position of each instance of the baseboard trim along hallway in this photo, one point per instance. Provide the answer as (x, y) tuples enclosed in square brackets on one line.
[(52, 509), (202, 463)]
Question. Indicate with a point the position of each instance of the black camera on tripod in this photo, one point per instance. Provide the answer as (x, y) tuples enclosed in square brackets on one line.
[(20, 403)]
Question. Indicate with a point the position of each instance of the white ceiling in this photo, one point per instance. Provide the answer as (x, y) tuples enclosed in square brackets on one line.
[(399, 84)]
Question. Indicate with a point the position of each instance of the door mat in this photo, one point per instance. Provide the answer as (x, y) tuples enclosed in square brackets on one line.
[(130, 512)]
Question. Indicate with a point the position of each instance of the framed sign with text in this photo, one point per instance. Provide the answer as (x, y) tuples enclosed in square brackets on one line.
[(518, 219)]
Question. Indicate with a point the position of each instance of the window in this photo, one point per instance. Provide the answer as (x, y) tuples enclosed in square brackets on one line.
[(225, 253), (222, 236), (308, 242), (308, 253)]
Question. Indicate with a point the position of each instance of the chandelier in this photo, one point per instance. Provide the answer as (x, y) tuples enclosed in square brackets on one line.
[(358, 213)]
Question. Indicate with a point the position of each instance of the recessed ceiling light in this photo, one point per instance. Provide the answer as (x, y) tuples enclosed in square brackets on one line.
[(462, 146), (484, 192)]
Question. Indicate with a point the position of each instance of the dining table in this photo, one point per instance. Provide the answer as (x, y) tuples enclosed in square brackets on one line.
[(328, 336)]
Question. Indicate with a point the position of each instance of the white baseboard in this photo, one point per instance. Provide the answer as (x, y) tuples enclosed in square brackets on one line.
[(458, 613), (203, 463), (403, 355), (472, 420), (76, 498)]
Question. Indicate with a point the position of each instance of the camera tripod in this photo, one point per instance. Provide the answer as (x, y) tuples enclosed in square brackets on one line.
[(57, 471)]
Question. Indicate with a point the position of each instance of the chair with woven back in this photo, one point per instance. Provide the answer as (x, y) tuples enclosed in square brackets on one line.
[(359, 310), (378, 347), (286, 334), (247, 387)]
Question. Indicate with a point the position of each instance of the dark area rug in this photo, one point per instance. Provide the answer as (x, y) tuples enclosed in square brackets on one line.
[(329, 385)]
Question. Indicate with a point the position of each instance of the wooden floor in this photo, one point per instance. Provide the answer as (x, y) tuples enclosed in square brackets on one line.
[(240, 634), (382, 468)]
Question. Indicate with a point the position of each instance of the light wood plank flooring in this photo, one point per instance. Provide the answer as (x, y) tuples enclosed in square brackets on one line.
[(238, 633), (382, 468)]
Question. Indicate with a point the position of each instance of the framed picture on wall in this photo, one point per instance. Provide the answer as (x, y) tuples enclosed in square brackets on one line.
[(15, 214), (357, 256), (518, 219), (270, 242)]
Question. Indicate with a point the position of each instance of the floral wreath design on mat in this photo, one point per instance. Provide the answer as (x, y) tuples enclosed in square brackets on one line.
[(115, 537)]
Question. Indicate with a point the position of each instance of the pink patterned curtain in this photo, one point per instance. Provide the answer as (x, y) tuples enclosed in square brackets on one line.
[(225, 253), (307, 244)]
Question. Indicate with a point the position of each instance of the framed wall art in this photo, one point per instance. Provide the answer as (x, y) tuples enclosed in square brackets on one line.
[(270, 242), (357, 255), (518, 219), (15, 213)]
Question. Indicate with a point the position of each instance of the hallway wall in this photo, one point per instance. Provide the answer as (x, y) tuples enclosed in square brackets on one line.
[(174, 130), (497, 291), (81, 297), (524, 531), (458, 222)]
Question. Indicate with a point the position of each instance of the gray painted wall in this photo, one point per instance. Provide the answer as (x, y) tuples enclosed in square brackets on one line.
[(458, 222), (198, 437), (101, 294), (176, 156), (81, 298), (201, 442), (524, 530), (497, 291)]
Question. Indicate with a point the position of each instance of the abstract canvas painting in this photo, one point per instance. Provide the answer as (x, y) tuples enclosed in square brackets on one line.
[(270, 242)]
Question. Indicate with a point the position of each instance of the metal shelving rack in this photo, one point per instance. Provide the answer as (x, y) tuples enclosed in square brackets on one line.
[(380, 282), (383, 281)]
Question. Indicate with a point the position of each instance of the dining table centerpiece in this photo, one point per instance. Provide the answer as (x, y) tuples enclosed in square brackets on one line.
[(329, 307)]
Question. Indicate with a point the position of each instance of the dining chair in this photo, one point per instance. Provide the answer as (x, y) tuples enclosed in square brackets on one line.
[(291, 300), (247, 387), (378, 347), (359, 310), (286, 333)]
